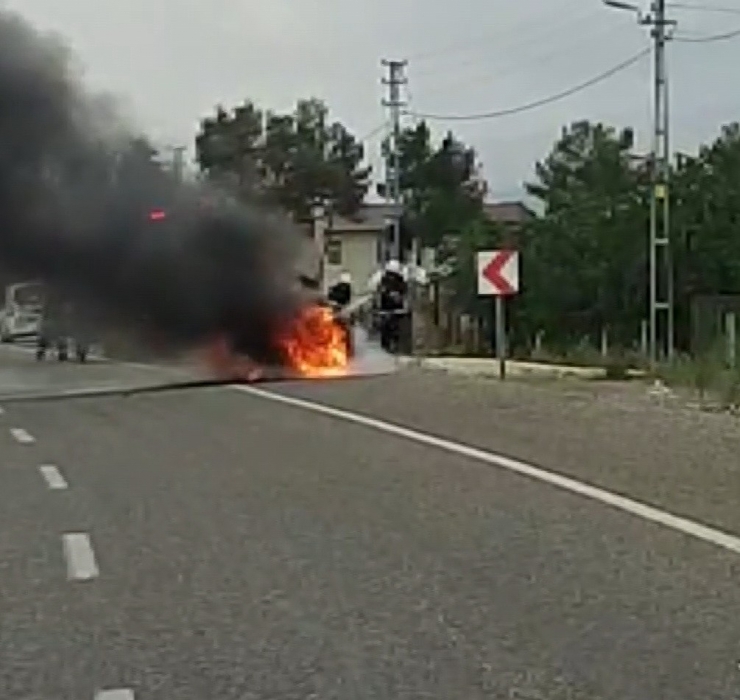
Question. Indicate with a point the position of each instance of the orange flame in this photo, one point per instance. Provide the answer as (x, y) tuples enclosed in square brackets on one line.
[(316, 344)]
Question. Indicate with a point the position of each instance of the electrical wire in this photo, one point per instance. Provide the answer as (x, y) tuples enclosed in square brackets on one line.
[(513, 63), (708, 39), (537, 103), (373, 132), (507, 43), (518, 32), (704, 8)]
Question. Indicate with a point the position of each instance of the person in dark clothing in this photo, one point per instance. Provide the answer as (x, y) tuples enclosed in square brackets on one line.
[(391, 303), (340, 293), (393, 288), (339, 296)]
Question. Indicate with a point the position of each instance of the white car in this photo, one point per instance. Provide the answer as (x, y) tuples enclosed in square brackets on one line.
[(18, 322)]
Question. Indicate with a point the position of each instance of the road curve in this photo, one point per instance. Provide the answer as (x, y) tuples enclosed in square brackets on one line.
[(215, 544)]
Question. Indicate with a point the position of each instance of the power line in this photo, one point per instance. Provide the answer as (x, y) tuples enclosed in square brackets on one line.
[(704, 8), (537, 103), (518, 31), (373, 132), (707, 39), (515, 64), (506, 42)]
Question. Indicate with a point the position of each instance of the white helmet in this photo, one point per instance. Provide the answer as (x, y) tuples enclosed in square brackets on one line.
[(345, 278), (393, 266), (421, 276)]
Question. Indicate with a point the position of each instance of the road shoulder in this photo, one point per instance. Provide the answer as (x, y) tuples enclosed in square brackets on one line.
[(615, 436)]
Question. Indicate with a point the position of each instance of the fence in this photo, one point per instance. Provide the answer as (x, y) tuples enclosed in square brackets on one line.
[(714, 324)]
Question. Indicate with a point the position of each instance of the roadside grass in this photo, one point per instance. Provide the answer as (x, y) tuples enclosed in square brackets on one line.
[(713, 381), (618, 364), (710, 379)]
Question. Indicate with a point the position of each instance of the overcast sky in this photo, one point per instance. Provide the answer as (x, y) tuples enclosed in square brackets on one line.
[(172, 60)]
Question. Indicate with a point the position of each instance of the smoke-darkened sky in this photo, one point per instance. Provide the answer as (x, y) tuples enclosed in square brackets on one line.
[(174, 59), (74, 211)]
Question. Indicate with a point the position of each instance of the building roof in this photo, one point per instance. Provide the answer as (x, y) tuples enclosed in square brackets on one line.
[(371, 217), (376, 216), (508, 212)]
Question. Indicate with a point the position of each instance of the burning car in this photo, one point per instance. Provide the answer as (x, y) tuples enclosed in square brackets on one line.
[(317, 342)]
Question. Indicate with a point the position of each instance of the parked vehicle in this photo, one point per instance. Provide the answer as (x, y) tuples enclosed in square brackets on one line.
[(21, 313)]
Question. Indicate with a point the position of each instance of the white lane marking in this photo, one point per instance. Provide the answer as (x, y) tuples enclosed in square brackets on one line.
[(78, 552), (53, 477), (628, 505), (2, 411), (115, 694), (22, 436)]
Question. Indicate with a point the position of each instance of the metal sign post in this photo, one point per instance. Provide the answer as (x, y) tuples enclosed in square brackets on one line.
[(501, 349), (498, 277)]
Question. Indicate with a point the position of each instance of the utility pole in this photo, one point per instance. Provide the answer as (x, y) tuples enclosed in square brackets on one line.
[(661, 264), (178, 162), (395, 80), (172, 159), (661, 315)]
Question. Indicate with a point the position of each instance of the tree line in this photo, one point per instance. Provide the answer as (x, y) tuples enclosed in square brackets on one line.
[(584, 255), (586, 258), (296, 159)]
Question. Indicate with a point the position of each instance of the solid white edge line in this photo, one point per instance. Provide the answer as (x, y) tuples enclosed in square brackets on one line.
[(53, 477), (22, 436), (80, 557), (623, 503), (115, 694)]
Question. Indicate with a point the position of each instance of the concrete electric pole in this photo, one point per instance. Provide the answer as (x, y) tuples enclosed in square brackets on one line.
[(172, 159), (395, 80), (178, 162), (661, 318), (661, 263)]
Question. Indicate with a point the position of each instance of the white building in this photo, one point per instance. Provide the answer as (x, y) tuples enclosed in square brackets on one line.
[(356, 245)]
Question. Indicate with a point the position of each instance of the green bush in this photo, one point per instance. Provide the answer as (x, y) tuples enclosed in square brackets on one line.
[(708, 375), (729, 389)]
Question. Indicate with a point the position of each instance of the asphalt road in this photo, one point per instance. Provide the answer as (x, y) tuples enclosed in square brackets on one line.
[(236, 547)]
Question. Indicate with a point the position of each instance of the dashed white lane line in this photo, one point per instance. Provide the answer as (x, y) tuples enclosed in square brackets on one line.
[(78, 551), (22, 436), (614, 500), (115, 694), (53, 477)]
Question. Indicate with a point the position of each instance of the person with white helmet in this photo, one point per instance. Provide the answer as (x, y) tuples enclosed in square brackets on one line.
[(393, 267), (340, 293), (392, 287), (391, 298)]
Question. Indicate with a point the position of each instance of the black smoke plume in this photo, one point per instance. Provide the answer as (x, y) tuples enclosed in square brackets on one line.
[(74, 215)]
